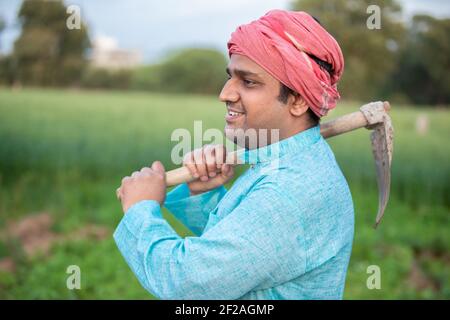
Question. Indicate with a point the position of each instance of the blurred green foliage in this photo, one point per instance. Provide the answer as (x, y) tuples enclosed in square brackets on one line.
[(47, 53), (423, 73), (65, 152), (198, 71)]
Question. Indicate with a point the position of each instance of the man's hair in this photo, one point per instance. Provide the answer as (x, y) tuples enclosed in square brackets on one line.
[(283, 97)]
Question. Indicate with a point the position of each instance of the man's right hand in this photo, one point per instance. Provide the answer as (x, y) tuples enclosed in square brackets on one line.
[(208, 165)]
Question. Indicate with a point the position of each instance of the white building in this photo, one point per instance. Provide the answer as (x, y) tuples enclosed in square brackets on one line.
[(107, 54)]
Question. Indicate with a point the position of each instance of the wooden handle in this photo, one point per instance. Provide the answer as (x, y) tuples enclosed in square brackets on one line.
[(182, 174), (346, 123)]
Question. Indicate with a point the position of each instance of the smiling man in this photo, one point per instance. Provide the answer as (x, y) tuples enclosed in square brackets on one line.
[(282, 231)]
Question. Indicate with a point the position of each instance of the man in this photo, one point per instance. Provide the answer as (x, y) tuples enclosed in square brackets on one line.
[(280, 232)]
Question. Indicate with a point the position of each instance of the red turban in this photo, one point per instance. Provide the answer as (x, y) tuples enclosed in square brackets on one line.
[(283, 43)]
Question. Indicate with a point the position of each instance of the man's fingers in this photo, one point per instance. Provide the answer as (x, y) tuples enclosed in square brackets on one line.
[(227, 170), (220, 155), (125, 179), (189, 163), (224, 170), (206, 162), (200, 163), (134, 174), (210, 159), (158, 167), (146, 170), (230, 171)]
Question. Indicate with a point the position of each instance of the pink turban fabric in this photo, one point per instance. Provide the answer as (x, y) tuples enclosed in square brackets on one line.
[(282, 42)]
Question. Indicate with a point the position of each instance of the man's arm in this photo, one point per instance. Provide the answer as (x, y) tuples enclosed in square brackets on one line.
[(257, 245), (191, 203), (193, 210)]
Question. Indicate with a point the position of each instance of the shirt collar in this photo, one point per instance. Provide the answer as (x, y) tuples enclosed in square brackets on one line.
[(293, 144)]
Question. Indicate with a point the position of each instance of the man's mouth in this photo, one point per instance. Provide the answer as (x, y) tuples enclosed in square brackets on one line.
[(233, 115)]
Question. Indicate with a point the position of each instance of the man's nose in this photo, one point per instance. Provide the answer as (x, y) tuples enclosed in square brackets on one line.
[(229, 92)]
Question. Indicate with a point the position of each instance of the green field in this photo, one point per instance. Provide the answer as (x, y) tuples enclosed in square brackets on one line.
[(63, 154)]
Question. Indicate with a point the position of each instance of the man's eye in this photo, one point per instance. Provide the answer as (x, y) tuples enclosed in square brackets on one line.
[(249, 82)]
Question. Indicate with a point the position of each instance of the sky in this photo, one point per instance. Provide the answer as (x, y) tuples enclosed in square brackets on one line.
[(156, 27)]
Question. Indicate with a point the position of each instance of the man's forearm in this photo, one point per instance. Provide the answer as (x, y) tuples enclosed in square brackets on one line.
[(193, 210)]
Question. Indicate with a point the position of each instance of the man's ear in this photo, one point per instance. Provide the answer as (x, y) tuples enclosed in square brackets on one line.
[(298, 107)]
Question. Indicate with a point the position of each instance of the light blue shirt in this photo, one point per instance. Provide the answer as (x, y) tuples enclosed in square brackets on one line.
[(284, 230)]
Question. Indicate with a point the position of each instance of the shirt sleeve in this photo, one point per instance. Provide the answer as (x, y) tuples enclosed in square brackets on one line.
[(258, 245), (193, 211)]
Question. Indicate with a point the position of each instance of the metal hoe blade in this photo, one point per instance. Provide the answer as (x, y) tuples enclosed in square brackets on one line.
[(382, 138)]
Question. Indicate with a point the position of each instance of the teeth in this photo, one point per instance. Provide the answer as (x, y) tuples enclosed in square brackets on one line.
[(233, 114)]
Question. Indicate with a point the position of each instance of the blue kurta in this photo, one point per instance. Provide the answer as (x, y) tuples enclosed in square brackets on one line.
[(284, 230)]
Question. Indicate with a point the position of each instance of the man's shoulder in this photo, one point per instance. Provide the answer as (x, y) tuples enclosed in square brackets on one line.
[(311, 166), (309, 177)]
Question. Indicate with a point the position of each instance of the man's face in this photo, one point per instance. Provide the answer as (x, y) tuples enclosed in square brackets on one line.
[(251, 95)]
